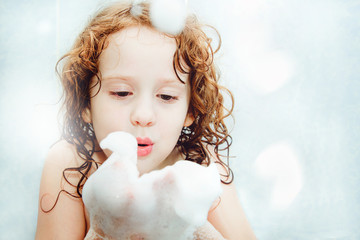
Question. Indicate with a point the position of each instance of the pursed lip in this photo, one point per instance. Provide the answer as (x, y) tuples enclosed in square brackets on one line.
[(145, 146)]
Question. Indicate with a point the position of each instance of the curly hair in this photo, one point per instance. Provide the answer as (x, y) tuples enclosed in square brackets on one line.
[(194, 56)]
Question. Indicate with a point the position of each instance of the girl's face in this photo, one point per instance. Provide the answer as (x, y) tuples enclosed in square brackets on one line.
[(141, 94)]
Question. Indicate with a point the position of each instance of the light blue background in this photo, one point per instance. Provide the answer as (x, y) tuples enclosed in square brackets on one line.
[(293, 67)]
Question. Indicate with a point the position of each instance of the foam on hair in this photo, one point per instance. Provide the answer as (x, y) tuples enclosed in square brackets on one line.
[(168, 16)]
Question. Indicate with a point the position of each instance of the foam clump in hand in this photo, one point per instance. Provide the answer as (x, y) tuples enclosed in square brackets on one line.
[(164, 204)]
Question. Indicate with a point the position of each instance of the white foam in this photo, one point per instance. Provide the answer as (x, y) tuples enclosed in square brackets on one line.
[(163, 204), (168, 15), (137, 9)]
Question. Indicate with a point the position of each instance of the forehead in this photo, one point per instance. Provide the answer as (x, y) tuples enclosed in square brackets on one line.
[(139, 48), (142, 34)]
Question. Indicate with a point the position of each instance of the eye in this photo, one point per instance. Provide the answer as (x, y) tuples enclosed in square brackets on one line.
[(122, 94), (166, 97)]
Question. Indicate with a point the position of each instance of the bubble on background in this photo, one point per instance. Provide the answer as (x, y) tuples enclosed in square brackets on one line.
[(293, 68), (279, 164)]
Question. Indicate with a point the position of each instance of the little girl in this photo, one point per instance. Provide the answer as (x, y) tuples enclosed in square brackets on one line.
[(124, 75)]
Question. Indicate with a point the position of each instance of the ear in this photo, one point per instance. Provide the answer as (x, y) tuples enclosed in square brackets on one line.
[(189, 119), (86, 115)]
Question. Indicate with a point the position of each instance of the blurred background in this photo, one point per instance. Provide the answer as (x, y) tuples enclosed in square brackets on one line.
[(293, 67)]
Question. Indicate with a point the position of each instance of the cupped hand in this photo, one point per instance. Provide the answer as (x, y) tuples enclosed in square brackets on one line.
[(164, 204)]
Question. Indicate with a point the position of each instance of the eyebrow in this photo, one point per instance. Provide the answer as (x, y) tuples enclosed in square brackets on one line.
[(172, 81), (117, 77), (129, 78)]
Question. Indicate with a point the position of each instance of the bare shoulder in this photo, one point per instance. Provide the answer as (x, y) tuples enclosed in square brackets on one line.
[(228, 216), (60, 216), (62, 153)]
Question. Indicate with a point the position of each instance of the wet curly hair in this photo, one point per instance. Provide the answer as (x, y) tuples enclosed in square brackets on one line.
[(194, 56)]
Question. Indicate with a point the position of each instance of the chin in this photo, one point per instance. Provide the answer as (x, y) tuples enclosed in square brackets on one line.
[(142, 168)]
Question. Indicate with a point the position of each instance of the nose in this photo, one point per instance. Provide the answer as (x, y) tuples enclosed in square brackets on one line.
[(143, 114)]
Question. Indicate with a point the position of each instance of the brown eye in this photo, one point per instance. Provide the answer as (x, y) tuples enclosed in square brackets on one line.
[(166, 97), (122, 94)]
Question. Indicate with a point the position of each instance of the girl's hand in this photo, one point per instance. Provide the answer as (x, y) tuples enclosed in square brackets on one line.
[(205, 232), (162, 204), (155, 205)]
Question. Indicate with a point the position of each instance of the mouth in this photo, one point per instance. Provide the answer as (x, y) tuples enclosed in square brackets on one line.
[(145, 146)]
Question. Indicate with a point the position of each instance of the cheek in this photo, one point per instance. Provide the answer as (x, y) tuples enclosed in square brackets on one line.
[(172, 122), (107, 119)]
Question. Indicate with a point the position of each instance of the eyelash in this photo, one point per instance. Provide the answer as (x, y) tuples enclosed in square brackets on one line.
[(164, 97), (121, 94), (167, 97)]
